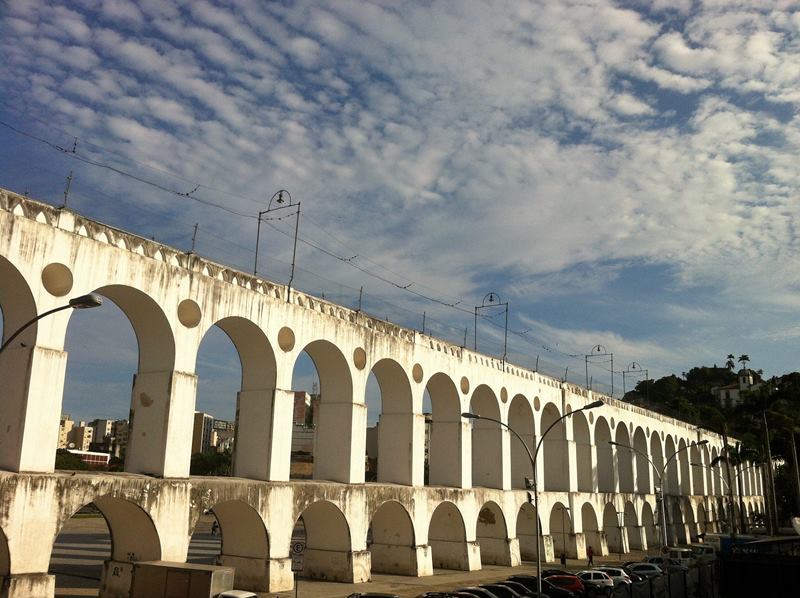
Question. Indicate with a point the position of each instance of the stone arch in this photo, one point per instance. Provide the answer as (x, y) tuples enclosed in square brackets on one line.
[(556, 451), (632, 527), (611, 527), (685, 473), (624, 458), (17, 304), (153, 331), (254, 415), (591, 530), (561, 533), (133, 538), (650, 526), (583, 451), (696, 471), (327, 553), (642, 464), (605, 455), (526, 532), (393, 540), (153, 386), (487, 440), (395, 423), (446, 431), (672, 468), (520, 418), (335, 419), (245, 543), (492, 536), (447, 538)]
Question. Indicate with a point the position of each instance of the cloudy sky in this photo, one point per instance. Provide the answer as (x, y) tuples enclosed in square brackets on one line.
[(621, 173)]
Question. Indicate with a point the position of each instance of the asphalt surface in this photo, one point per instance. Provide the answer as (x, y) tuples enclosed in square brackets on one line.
[(84, 544)]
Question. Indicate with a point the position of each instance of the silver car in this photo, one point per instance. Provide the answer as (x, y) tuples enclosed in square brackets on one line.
[(646, 569), (617, 575)]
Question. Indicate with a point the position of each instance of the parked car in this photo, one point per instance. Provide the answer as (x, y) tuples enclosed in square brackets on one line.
[(632, 574), (617, 575), (597, 581), (683, 556), (569, 582), (479, 592), (516, 586), (666, 563), (548, 587), (550, 572), (503, 591), (704, 553), (646, 569)]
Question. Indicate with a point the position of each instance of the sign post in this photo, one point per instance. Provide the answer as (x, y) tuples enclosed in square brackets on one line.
[(297, 561)]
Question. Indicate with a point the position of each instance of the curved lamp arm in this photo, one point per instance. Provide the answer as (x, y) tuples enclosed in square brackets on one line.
[(82, 302)]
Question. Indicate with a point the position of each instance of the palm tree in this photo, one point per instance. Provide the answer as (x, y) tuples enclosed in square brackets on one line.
[(730, 363), (743, 359)]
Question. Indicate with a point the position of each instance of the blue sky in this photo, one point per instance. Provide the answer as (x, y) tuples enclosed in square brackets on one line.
[(622, 173)]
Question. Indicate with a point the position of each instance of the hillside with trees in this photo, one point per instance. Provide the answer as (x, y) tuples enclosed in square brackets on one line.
[(769, 408)]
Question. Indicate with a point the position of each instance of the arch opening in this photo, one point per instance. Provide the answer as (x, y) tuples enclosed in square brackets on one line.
[(583, 452), (395, 424), (391, 540), (556, 451), (612, 526), (520, 418), (561, 532), (526, 533), (448, 539), (492, 536), (487, 440), (605, 456), (325, 532), (333, 413), (624, 458), (643, 466), (591, 533), (446, 430)]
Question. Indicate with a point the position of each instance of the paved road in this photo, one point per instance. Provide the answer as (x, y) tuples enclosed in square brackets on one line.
[(84, 544)]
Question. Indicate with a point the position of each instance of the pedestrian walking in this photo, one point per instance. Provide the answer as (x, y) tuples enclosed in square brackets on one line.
[(590, 556), (563, 559), (214, 528)]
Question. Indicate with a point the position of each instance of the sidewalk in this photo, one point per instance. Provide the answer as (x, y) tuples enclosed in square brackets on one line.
[(443, 579)]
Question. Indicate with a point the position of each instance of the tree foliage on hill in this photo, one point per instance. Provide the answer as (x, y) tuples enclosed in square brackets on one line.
[(689, 398)]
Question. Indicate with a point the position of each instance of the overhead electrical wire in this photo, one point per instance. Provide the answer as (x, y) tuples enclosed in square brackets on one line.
[(350, 261)]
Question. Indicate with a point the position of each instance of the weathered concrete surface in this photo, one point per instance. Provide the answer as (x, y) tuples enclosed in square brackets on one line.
[(172, 299)]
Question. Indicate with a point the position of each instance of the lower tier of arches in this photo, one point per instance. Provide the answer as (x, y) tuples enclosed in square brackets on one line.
[(348, 531)]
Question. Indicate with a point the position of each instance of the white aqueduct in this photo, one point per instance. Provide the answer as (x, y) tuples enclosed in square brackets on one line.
[(473, 511)]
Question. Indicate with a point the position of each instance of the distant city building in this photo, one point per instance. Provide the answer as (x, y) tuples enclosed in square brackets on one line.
[(95, 459), (80, 437), (731, 395), (223, 435), (302, 405), (119, 435), (203, 432), (102, 429), (64, 428)]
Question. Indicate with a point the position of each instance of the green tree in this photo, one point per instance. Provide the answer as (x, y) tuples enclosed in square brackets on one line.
[(211, 464), (67, 460)]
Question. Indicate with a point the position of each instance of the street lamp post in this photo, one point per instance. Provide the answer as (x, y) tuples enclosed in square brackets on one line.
[(532, 457), (82, 302), (278, 197), (661, 475)]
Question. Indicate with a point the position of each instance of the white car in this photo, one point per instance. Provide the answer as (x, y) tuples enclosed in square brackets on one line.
[(617, 575), (599, 580)]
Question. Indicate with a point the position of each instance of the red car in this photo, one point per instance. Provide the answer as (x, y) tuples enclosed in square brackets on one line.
[(568, 582)]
